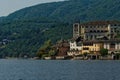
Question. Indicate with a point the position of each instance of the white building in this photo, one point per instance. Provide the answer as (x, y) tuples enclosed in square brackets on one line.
[(75, 48)]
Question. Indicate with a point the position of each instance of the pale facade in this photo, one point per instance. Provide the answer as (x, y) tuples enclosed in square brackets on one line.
[(73, 53), (91, 47), (96, 30), (113, 46), (75, 48), (94, 36)]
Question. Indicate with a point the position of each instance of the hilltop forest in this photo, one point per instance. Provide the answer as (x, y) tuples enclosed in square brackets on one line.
[(24, 31)]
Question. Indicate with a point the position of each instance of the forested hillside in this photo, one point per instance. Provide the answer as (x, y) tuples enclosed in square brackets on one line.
[(19, 38), (84, 10), (24, 31)]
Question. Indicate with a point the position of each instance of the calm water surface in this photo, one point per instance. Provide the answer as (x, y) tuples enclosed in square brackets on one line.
[(59, 70)]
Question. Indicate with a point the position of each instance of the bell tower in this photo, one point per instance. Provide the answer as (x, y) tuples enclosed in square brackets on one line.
[(76, 30)]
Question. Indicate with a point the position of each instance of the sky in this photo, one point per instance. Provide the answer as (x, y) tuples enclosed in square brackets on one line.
[(9, 6)]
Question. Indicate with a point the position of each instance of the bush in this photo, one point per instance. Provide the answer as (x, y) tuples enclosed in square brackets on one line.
[(104, 52)]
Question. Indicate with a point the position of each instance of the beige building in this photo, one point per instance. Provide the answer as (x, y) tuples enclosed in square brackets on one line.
[(91, 37), (96, 30), (112, 45), (94, 46)]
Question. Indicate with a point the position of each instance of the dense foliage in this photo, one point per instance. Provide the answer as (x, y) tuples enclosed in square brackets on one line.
[(21, 38), (72, 10), (24, 31), (46, 50), (103, 52)]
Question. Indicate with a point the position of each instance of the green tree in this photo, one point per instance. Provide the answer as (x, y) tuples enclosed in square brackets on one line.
[(52, 52), (104, 52), (45, 49)]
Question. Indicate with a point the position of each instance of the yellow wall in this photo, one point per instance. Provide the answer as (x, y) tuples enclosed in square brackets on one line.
[(92, 49)]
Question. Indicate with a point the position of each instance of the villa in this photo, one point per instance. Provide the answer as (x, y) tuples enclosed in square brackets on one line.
[(91, 37)]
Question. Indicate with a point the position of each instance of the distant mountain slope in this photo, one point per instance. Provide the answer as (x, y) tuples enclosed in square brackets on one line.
[(24, 31), (38, 11), (84, 10)]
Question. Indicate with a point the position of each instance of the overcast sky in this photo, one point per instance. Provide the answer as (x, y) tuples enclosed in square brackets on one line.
[(9, 6)]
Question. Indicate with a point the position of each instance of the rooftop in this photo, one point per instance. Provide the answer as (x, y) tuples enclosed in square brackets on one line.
[(97, 41), (100, 23)]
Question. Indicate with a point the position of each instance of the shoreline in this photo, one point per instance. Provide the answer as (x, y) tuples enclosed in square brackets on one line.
[(64, 58)]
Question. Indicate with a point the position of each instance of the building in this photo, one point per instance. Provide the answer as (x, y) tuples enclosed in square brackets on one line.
[(96, 30), (91, 37), (62, 47), (92, 47), (112, 45), (75, 47)]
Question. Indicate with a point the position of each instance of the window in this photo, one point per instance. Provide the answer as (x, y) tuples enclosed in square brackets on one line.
[(91, 36), (88, 44), (90, 30), (94, 31), (98, 31), (112, 45), (97, 26), (76, 28), (86, 26), (115, 24), (86, 48), (105, 31)]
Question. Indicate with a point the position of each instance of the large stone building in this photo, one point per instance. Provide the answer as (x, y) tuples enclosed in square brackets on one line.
[(96, 30), (92, 36)]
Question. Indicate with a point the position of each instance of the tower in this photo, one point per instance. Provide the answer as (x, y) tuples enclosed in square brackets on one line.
[(76, 30)]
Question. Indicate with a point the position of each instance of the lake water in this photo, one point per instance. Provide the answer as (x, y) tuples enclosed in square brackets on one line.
[(59, 70)]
